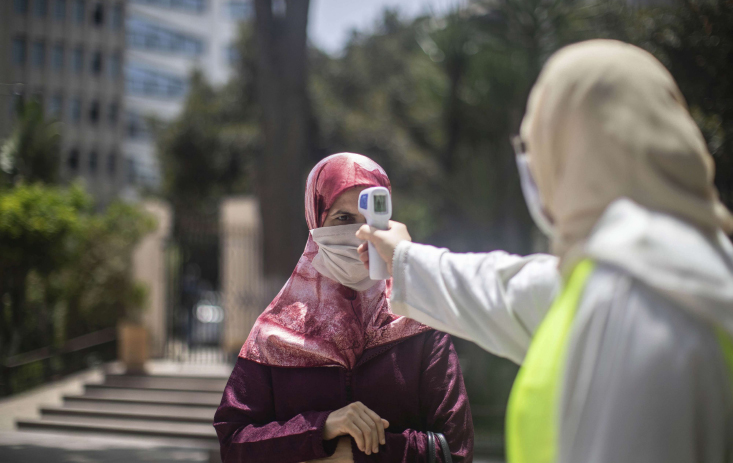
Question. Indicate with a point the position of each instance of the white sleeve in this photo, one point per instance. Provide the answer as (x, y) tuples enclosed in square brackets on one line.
[(494, 299)]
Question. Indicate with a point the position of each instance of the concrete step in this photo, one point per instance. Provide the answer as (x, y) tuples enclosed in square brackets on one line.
[(162, 395), (175, 401), (156, 409), (182, 415), (197, 383), (141, 428)]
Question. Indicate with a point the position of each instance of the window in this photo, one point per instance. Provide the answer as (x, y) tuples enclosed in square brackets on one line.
[(21, 6), (39, 54), (231, 54), (148, 82), (19, 51), (93, 158), (77, 60), (117, 15), (114, 66), (136, 127), (191, 6), (112, 114), (112, 164), (98, 15), (54, 106), (59, 11), (238, 10), (41, 8), (75, 110), (130, 170), (57, 57), (79, 11), (94, 112), (97, 63), (147, 35), (73, 160)]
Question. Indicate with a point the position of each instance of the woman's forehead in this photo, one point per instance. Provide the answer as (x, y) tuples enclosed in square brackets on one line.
[(334, 175), (348, 198)]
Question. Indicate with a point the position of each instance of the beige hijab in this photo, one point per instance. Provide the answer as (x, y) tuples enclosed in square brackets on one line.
[(606, 120)]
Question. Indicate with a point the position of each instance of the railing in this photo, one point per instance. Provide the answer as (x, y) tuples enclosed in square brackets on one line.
[(30, 369)]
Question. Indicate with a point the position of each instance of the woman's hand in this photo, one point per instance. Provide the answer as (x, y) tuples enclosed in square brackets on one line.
[(356, 420), (385, 240), (341, 455)]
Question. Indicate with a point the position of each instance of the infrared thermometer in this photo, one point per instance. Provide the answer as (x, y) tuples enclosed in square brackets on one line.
[(376, 205)]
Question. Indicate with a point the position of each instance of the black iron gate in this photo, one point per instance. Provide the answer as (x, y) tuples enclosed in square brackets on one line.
[(195, 314)]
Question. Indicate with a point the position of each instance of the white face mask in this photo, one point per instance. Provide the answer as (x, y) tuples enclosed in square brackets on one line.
[(337, 257), (531, 192)]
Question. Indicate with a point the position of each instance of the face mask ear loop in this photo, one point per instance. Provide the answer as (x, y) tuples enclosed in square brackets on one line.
[(530, 190)]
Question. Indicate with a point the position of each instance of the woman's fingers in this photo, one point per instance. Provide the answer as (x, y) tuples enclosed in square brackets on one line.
[(379, 425), (385, 241), (366, 434), (355, 432), (363, 248), (374, 441), (361, 423)]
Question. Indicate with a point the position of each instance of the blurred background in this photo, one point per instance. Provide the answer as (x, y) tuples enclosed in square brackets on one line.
[(153, 156)]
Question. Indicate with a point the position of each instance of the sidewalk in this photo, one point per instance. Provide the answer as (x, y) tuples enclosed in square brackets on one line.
[(47, 446), (27, 404), (36, 447)]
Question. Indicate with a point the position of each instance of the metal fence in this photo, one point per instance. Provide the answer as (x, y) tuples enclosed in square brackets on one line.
[(30, 369), (193, 318), (215, 285)]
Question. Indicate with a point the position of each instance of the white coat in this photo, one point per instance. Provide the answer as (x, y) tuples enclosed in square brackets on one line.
[(645, 379)]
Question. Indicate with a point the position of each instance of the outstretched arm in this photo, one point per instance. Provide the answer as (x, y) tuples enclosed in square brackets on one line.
[(494, 299)]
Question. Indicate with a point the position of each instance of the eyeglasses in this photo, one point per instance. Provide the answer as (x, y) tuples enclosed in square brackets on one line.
[(529, 187), (518, 144)]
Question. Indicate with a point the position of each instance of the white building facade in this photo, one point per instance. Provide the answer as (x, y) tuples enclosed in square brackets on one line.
[(165, 41)]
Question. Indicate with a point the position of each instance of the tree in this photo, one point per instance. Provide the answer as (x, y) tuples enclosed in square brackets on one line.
[(35, 223), (202, 158), (281, 77), (694, 39), (31, 152), (65, 271)]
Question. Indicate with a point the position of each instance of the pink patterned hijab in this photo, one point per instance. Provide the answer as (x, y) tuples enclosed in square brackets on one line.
[(315, 321)]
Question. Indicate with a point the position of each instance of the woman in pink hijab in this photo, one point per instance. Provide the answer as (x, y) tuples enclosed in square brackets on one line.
[(328, 372)]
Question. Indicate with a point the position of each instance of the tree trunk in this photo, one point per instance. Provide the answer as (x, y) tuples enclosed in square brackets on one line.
[(282, 92), (452, 115)]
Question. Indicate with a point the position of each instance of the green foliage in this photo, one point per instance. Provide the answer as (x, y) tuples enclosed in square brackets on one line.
[(694, 39), (34, 219), (204, 152), (65, 270), (436, 101), (31, 152)]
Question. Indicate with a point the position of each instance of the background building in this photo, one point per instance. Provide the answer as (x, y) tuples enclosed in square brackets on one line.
[(166, 41), (68, 54)]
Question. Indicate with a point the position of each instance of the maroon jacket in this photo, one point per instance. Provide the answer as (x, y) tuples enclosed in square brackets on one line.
[(276, 414)]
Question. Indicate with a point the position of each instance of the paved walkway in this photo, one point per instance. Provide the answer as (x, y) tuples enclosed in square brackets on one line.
[(23, 447), (48, 447), (36, 447), (27, 404)]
